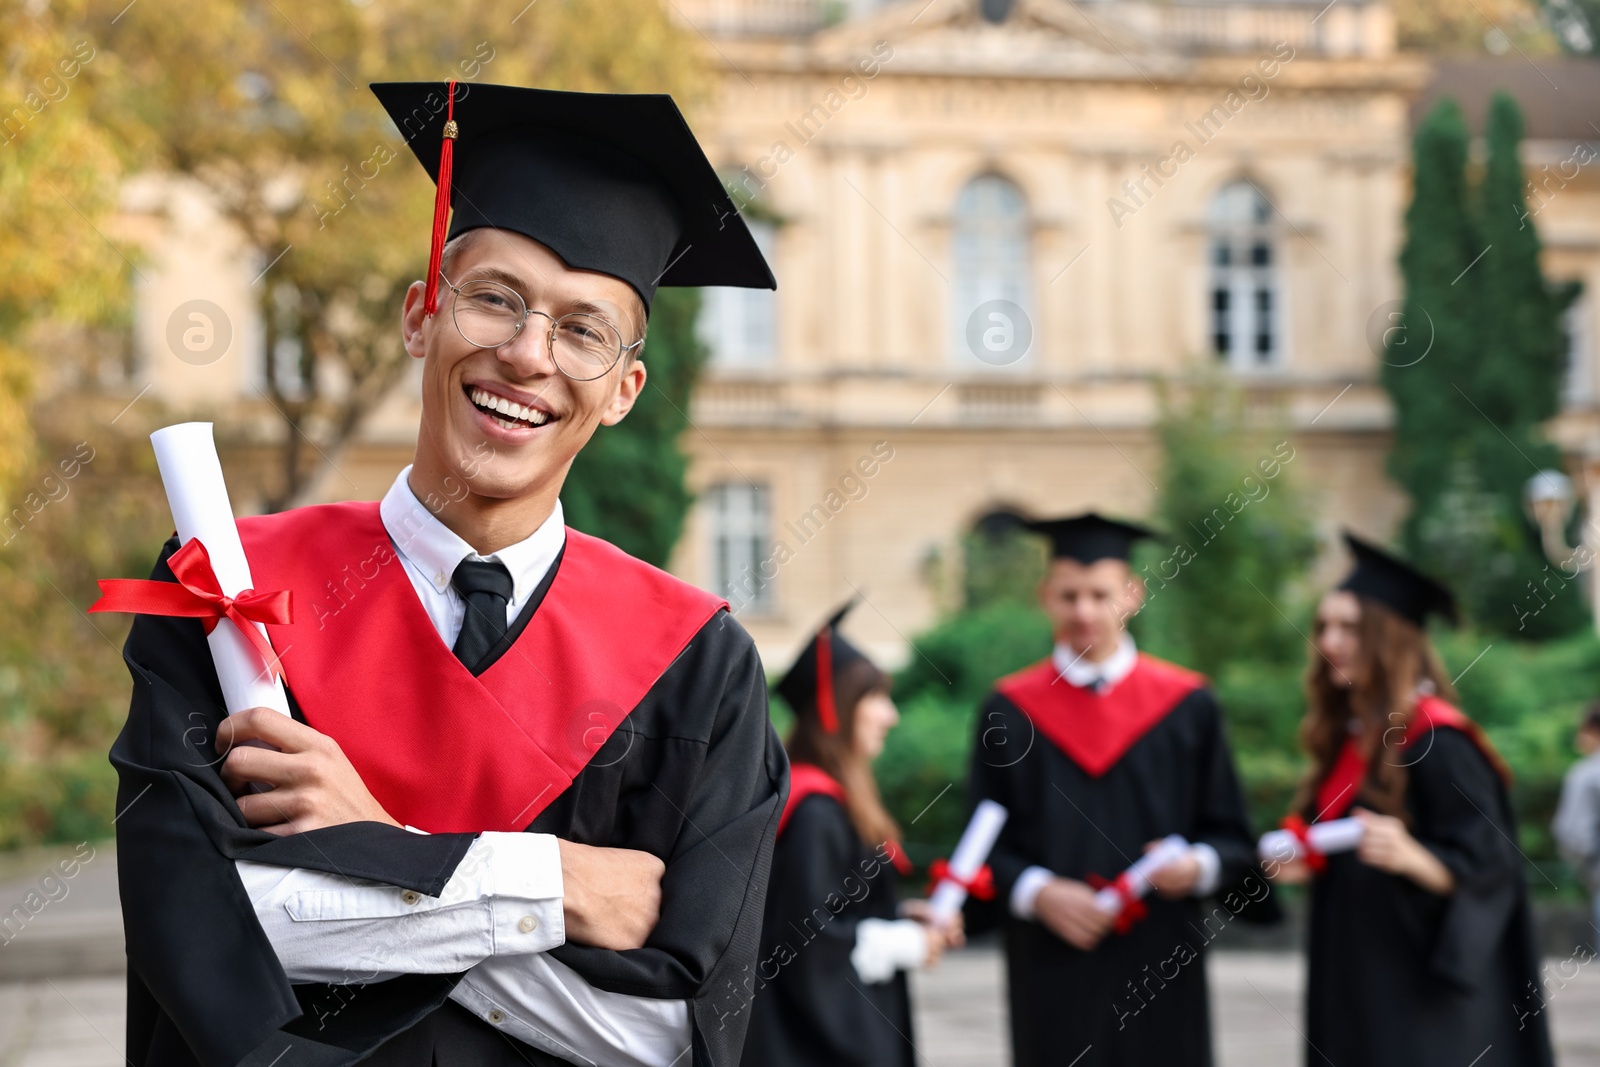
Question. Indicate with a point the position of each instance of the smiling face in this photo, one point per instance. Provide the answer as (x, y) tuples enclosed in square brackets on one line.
[(501, 426)]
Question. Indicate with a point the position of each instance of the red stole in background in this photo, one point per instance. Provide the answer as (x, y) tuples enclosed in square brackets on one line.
[(1097, 729), (1337, 793)]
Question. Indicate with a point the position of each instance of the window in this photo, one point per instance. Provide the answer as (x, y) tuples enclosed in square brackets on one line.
[(739, 326), (1246, 317), (741, 544), (990, 249)]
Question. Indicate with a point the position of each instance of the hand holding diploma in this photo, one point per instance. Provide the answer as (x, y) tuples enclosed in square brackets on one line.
[(1122, 897), (1299, 842)]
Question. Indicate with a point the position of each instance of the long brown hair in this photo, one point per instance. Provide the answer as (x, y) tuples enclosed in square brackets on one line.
[(836, 753), (1394, 658)]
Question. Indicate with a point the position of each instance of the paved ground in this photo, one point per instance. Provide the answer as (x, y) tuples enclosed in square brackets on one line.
[(960, 1016), (61, 994)]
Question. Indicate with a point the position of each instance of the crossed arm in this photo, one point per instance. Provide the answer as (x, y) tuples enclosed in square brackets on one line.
[(513, 897)]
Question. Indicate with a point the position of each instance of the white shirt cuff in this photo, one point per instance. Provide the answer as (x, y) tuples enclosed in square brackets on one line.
[(504, 898), (541, 1001), (1210, 868), (525, 891), (884, 946), (1025, 894)]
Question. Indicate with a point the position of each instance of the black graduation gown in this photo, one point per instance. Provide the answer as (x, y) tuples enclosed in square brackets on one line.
[(811, 1007), (1139, 997), (1401, 977), (694, 775)]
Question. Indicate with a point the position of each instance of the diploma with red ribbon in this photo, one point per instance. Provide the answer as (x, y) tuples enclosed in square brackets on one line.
[(213, 576), (1311, 842), (1123, 896), (965, 872)]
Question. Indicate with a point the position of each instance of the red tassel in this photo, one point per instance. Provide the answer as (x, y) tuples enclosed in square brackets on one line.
[(826, 712), (441, 202)]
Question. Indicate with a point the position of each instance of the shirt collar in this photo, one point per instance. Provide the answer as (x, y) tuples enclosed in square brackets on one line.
[(435, 550), (1080, 672)]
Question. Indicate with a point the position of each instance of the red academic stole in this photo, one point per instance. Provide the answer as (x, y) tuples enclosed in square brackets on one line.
[(1337, 793), (807, 780), (1097, 729), (442, 750)]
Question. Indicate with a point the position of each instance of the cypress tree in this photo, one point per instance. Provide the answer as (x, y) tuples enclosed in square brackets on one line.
[(1473, 370)]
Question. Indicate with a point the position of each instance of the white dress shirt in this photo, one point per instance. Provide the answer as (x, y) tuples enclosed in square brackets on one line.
[(502, 907), (1102, 677)]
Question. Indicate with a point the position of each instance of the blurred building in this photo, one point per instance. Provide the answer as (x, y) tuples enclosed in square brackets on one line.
[(996, 226)]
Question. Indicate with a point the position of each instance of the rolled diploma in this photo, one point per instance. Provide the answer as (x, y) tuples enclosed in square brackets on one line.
[(1335, 835), (192, 474), (977, 840), (1170, 850)]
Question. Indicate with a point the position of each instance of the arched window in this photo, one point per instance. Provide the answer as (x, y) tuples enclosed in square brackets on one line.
[(990, 249), (1246, 298), (739, 327)]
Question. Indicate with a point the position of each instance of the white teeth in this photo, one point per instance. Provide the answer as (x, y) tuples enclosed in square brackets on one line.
[(485, 399)]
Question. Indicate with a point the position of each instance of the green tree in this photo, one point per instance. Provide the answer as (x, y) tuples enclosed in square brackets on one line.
[(627, 485), (1234, 536), (1474, 370)]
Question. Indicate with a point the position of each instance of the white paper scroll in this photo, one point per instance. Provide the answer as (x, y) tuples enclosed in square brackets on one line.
[(977, 840), (1170, 850), (1335, 835), (192, 474)]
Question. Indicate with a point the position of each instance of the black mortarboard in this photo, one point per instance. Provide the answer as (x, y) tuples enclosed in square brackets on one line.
[(1088, 537), (609, 182), (1396, 584), (810, 681)]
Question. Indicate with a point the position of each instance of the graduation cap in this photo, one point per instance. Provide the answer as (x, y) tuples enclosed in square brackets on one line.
[(610, 182), (811, 678), (1088, 537), (1396, 584)]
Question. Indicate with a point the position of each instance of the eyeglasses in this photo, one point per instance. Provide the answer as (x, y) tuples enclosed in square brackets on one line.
[(488, 315)]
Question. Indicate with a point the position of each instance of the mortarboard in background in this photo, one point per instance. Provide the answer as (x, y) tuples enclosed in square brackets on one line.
[(1089, 537), (1396, 584), (610, 182), (810, 680)]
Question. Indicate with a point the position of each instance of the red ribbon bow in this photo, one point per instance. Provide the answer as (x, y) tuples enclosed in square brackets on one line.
[(1315, 859), (1133, 909), (198, 594), (980, 885)]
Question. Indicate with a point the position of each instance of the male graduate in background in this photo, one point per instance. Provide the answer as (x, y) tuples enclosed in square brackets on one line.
[(463, 665), (1098, 752)]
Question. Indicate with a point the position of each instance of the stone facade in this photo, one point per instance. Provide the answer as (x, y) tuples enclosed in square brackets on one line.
[(996, 226)]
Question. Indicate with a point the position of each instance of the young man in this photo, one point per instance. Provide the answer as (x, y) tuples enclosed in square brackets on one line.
[(1099, 752), (356, 881)]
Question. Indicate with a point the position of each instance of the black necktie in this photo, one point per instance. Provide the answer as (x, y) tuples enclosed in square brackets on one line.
[(486, 589)]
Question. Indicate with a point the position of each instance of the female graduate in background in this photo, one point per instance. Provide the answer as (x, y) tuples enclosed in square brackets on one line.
[(830, 983), (1422, 947)]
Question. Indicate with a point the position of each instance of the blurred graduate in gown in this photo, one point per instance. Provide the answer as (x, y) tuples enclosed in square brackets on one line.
[(837, 940)]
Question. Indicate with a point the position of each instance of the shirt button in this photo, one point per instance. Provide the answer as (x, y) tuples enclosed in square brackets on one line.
[(497, 1016), (410, 896), (528, 924), (438, 579)]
